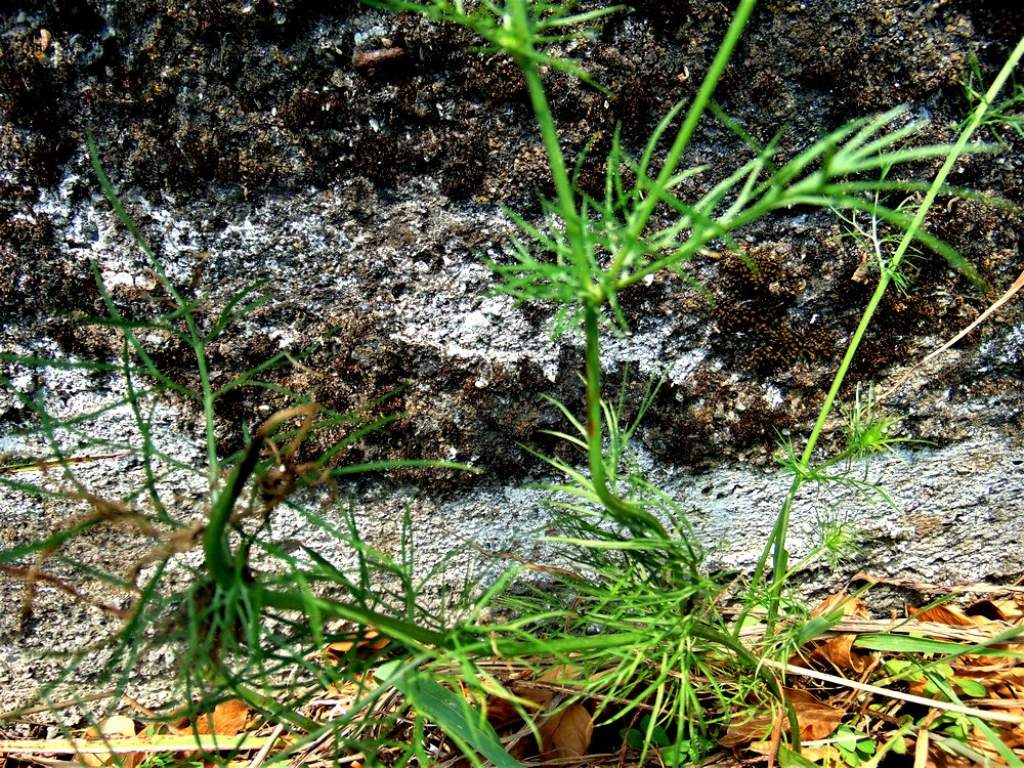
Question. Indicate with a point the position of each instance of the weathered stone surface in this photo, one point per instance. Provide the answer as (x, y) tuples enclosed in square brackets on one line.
[(252, 143)]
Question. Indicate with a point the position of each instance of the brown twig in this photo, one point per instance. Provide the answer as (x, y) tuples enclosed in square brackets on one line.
[(35, 575), (921, 586), (891, 694), (376, 56), (18, 713), (1017, 285)]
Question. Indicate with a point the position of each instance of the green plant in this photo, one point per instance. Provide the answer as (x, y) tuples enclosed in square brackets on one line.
[(803, 469), (643, 626), (587, 250), (1001, 114), (854, 748), (877, 240), (672, 752), (256, 609)]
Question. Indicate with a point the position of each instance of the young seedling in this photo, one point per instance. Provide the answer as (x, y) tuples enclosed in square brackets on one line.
[(1003, 114)]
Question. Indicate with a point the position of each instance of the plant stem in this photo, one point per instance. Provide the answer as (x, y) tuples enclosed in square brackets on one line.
[(404, 631), (686, 131), (267, 704), (527, 63), (592, 296), (216, 547), (777, 541), (637, 519), (226, 571)]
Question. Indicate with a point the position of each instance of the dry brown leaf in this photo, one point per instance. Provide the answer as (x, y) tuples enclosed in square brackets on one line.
[(827, 755), (114, 727), (228, 719), (522, 747), (539, 696), (742, 731), (500, 712), (917, 687), (365, 644), (559, 676), (850, 606), (940, 758), (1000, 610), (773, 743), (816, 718), (979, 743), (760, 748), (567, 733), (949, 615), (838, 651)]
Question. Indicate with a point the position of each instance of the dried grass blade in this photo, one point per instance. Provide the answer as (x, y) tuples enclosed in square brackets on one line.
[(891, 694)]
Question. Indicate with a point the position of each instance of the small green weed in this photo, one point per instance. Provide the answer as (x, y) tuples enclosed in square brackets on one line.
[(855, 748), (1002, 115), (877, 240), (252, 614)]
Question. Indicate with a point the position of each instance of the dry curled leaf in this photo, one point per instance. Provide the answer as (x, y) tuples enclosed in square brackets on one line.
[(999, 610), (746, 731), (567, 733), (947, 614), (817, 720), (562, 674), (839, 652), (850, 606), (114, 727), (228, 719), (501, 712), (543, 689), (365, 645)]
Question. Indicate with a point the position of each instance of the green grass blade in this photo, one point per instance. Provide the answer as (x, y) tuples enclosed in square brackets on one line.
[(451, 712)]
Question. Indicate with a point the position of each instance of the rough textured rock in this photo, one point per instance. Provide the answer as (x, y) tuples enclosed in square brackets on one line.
[(252, 142)]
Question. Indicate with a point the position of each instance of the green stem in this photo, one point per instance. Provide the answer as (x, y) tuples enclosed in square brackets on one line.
[(634, 517), (406, 632), (777, 541), (226, 571), (209, 417), (216, 547), (269, 705), (527, 63), (693, 115)]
